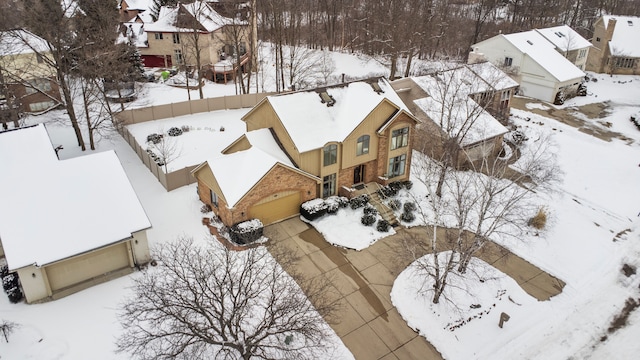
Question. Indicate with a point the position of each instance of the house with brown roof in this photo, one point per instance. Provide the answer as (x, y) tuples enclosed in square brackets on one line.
[(309, 144), (616, 45)]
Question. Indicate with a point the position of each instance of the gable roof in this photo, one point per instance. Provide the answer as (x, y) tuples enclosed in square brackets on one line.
[(16, 42), (311, 123), (625, 40), (450, 106), (543, 52), (492, 75), (58, 209), (564, 38), (208, 19), (239, 172)]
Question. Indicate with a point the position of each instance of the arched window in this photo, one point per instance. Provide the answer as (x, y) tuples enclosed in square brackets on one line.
[(362, 147), (330, 154)]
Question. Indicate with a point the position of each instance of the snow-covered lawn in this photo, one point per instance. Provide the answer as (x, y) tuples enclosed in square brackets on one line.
[(209, 133), (593, 230), (344, 229)]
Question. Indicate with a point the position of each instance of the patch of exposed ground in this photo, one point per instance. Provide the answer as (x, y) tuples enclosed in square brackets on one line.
[(586, 118)]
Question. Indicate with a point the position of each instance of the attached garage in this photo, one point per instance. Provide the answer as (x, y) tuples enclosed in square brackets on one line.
[(276, 207), (81, 268), (536, 91)]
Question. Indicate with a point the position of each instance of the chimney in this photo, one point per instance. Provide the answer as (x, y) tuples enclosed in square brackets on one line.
[(611, 26)]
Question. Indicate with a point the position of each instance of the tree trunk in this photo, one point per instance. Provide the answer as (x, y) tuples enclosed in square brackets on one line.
[(409, 59), (66, 92)]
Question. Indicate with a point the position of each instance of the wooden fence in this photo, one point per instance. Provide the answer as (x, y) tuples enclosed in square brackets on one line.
[(182, 177)]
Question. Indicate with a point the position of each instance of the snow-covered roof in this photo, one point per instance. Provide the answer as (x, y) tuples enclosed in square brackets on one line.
[(312, 124), (138, 4), (544, 53), (450, 106), (238, 172), (15, 42), (135, 34), (564, 38), (626, 35), (206, 16), (52, 209), (492, 75)]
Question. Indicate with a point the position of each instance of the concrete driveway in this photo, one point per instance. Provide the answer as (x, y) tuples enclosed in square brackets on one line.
[(369, 325)]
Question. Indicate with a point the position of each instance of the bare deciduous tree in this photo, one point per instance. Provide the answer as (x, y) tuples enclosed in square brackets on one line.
[(7, 328), (215, 303), (167, 149)]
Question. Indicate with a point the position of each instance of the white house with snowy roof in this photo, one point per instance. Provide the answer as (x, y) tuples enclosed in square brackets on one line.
[(568, 43), (533, 61), (616, 45), (171, 40), (66, 225), (457, 104), (309, 144)]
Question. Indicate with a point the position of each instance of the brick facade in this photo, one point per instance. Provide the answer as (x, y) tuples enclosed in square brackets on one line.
[(279, 179)]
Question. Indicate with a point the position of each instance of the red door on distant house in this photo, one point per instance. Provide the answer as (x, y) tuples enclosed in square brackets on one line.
[(157, 60)]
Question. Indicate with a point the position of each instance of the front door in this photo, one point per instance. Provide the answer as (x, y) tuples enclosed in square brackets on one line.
[(358, 174)]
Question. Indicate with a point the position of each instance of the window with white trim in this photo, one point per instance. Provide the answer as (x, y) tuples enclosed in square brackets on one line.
[(158, 36), (176, 38), (178, 56), (36, 85), (214, 198), (508, 61)]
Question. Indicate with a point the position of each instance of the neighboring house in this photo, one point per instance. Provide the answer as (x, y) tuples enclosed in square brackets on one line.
[(568, 43), (25, 71), (309, 144), (132, 10), (616, 45), (66, 225), (533, 61), (458, 103), (170, 40)]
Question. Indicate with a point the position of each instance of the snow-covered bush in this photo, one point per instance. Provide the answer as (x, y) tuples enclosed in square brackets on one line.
[(334, 203), (154, 138), (174, 131), (394, 204), (410, 206), (408, 184), (383, 225), (387, 191), (313, 209), (407, 217), (370, 210), (359, 201), (185, 128), (15, 295), (246, 232), (368, 219), (396, 186)]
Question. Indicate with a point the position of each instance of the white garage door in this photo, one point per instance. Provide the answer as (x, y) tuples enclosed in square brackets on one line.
[(536, 91), (84, 267)]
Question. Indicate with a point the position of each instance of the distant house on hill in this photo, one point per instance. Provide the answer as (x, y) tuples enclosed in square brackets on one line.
[(26, 73), (309, 144), (66, 225), (542, 71), (170, 40), (616, 45)]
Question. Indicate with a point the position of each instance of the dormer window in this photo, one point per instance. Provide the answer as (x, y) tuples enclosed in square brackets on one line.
[(325, 98)]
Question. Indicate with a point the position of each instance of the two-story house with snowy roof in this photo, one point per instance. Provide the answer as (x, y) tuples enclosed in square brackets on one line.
[(533, 61), (171, 40), (459, 104), (309, 144), (25, 67), (616, 45)]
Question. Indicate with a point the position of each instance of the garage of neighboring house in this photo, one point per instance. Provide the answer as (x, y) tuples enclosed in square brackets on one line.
[(276, 207), (70, 272), (537, 91)]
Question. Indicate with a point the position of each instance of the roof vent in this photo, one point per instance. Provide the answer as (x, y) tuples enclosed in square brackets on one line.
[(630, 23), (529, 42), (376, 87), (559, 34), (325, 98)]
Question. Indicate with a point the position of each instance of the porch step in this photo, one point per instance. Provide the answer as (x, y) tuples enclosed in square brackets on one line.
[(383, 209)]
